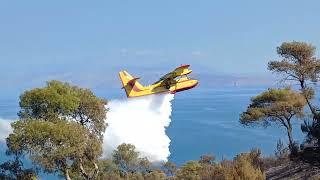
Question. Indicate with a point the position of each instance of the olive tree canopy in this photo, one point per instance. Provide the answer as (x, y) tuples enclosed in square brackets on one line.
[(277, 106)]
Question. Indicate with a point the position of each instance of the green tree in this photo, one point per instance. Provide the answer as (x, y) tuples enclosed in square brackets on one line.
[(128, 161), (126, 157), (11, 170), (244, 167), (277, 106), (207, 159), (52, 146), (144, 165), (55, 100), (190, 171), (59, 102), (155, 175), (170, 168), (108, 170), (108, 166), (90, 112), (299, 64)]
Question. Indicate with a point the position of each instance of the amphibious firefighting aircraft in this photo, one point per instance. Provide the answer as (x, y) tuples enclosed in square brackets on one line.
[(173, 82)]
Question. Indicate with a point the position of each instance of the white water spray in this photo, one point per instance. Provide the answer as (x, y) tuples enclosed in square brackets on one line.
[(142, 122), (5, 129)]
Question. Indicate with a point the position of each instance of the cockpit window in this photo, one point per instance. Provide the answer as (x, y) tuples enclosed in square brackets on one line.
[(182, 77), (175, 79)]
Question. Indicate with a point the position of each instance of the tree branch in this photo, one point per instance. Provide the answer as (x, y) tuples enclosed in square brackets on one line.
[(83, 172), (96, 171)]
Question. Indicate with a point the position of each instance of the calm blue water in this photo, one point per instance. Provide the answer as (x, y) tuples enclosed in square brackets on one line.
[(203, 121), (207, 121)]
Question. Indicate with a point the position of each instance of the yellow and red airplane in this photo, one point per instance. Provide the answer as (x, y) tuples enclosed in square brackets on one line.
[(173, 82)]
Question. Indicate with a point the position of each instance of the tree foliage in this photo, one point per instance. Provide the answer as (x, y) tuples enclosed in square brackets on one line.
[(277, 106), (61, 126), (190, 171), (274, 105), (52, 146), (91, 111), (245, 166), (170, 168), (248, 166), (55, 100), (61, 100), (126, 157), (299, 64), (126, 164), (207, 159), (11, 170)]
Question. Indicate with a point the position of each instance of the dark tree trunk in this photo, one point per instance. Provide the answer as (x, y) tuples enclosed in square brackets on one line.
[(312, 109), (287, 124), (291, 145)]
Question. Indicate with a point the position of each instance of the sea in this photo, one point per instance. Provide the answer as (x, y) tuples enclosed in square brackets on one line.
[(204, 121)]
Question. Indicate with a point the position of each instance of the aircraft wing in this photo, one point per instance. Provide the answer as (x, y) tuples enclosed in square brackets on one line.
[(182, 70), (170, 75), (179, 71)]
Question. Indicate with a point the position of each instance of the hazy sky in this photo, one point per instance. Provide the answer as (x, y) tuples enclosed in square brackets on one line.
[(42, 40)]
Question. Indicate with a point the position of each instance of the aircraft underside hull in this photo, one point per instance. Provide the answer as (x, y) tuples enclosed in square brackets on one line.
[(174, 88)]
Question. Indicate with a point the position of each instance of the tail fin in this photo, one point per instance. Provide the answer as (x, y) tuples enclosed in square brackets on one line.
[(130, 84)]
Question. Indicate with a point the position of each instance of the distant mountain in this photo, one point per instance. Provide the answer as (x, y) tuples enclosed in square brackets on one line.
[(106, 78)]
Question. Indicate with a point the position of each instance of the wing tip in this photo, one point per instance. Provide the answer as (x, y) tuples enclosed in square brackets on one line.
[(184, 66)]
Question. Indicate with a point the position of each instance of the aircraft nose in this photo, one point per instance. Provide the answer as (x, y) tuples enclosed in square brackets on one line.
[(195, 83)]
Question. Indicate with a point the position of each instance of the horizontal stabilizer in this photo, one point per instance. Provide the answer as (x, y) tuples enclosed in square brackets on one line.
[(132, 81)]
